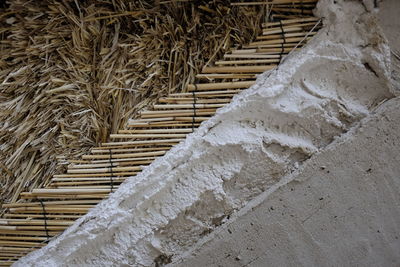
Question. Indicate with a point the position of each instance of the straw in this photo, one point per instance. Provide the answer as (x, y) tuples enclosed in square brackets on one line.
[(73, 72)]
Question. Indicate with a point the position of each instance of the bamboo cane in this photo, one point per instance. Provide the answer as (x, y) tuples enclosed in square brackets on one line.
[(245, 69), (213, 76), (218, 86), (190, 114), (54, 209), (151, 131), (100, 150), (19, 238), (278, 41), (12, 253), (188, 106), (272, 2), (144, 142), (266, 50), (7, 263), (152, 120), (69, 191), (288, 29), (39, 204), (133, 161), (254, 61), (116, 179), (108, 174), (87, 183), (125, 155), (28, 195), (109, 164), (138, 136), (9, 255), (287, 35), (179, 112), (269, 51), (76, 161), (10, 250), (189, 100), (159, 124), (210, 93), (262, 50), (297, 5), (107, 186), (33, 222), (29, 215), (176, 114), (192, 118), (104, 170), (9, 259), (36, 227), (293, 10), (28, 233), (147, 142), (256, 55), (288, 16), (15, 249), (289, 21)]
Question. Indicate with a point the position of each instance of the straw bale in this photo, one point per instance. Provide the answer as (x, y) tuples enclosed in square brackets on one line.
[(72, 72)]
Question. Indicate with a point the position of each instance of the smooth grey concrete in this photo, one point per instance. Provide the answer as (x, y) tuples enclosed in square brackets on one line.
[(342, 208), (389, 20)]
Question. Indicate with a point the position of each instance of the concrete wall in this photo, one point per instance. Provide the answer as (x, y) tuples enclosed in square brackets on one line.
[(389, 20)]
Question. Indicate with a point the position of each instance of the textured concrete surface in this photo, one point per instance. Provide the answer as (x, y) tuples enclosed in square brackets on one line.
[(341, 209), (389, 20)]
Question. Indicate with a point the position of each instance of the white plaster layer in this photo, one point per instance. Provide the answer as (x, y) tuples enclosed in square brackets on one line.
[(262, 136)]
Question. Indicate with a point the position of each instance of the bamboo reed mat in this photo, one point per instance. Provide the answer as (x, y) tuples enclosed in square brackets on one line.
[(44, 213)]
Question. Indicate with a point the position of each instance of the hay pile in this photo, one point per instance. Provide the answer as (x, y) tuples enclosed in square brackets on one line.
[(71, 72)]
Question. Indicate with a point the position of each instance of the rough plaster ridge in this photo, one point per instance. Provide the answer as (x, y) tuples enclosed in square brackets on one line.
[(263, 135)]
